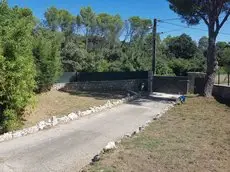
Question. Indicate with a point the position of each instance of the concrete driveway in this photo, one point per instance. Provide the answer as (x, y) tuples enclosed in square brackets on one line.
[(71, 146)]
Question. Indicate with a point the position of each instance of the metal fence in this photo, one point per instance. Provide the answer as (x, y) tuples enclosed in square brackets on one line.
[(223, 79)]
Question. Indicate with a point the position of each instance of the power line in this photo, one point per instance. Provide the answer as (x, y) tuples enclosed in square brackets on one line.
[(170, 19), (188, 27), (168, 31), (175, 30)]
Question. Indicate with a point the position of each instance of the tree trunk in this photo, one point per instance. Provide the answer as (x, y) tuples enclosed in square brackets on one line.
[(212, 65), (86, 39)]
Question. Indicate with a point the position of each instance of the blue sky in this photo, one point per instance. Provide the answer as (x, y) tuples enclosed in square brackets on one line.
[(126, 8)]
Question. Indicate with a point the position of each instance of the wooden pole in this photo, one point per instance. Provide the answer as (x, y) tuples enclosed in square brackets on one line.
[(154, 46)]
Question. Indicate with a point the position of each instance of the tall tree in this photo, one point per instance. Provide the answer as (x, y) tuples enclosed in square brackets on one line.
[(203, 43), (211, 12), (52, 18), (139, 27), (88, 19), (182, 47), (67, 22), (109, 27)]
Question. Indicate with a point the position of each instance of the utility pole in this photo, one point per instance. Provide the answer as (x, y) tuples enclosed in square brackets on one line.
[(153, 72), (154, 46)]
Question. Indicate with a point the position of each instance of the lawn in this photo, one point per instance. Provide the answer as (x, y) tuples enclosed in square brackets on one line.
[(56, 103), (194, 136)]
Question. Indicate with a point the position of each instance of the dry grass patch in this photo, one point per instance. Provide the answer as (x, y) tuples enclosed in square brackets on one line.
[(56, 103), (192, 137)]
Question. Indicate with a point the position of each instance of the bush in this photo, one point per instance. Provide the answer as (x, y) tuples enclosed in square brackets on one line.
[(11, 121), (180, 67), (46, 52), (162, 68), (17, 68)]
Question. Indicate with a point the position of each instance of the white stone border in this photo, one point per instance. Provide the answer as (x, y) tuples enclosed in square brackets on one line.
[(62, 120), (113, 144)]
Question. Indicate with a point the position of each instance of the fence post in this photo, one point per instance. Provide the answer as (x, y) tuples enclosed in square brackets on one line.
[(228, 78), (150, 82), (218, 78)]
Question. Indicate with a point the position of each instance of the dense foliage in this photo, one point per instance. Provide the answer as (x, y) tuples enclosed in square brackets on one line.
[(46, 51), (103, 42), (17, 68)]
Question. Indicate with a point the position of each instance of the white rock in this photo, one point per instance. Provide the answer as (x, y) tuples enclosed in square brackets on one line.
[(148, 122), (93, 109), (128, 135), (48, 124), (73, 116), (87, 112), (109, 104), (63, 119), (6, 136), (114, 103), (103, 107), (137, 131), (141, 128), (19, 133), (54, 121), (41, 125), (79, 113), (117, 142), (110, 145), (31, 130), (97, 109), (2, 138)]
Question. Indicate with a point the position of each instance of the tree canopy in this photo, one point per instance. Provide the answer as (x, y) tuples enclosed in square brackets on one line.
[(211, 13)]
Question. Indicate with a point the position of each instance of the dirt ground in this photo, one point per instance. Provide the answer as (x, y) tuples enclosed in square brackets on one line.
[(191, 137), (56, 103)]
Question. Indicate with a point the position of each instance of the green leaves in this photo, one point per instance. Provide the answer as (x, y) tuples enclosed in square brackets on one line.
[(17, 68), (88, 17), (52, 18), (46, 52), (139, 27), (60, 20), (182, 47), (223, 55)]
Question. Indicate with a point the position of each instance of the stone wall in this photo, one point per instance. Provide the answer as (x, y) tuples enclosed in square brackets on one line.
[(119, 85), (164, 84), (222, 92)]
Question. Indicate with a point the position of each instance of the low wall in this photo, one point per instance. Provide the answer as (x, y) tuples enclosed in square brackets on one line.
[(219, 91), (222, 92), (171, 84), (67, 77), (164, 84), (119, 85), (110, 76)]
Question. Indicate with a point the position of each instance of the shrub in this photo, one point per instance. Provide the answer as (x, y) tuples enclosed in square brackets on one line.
[(17, 68), (46, 52)]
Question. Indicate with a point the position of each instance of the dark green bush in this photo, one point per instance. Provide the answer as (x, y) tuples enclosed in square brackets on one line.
[(46, 52), (17, 68)]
